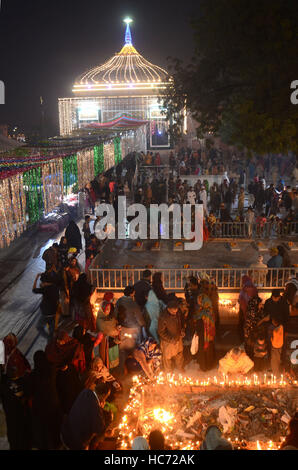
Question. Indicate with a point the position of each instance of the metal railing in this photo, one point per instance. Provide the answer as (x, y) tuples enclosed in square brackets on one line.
[(175, 279), (254, 230)]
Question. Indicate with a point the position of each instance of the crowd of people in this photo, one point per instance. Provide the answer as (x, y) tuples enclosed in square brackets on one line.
[(241, 194), (268, 328), (218, 160), (68, 400)]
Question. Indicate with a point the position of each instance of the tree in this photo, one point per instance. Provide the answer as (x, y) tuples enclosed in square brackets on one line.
[(238, 84)]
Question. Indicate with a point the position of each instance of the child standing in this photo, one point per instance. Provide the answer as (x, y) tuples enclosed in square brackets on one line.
[(260, 354), (277, 341)]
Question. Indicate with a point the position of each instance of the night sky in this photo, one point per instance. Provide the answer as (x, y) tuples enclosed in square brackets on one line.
[(45, 45)]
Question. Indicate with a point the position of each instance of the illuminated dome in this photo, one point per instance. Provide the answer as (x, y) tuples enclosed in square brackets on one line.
[(127, 70)]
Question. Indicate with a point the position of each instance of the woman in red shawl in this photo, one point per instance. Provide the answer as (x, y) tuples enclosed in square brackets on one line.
[(15, 361), (66, 350), (247, 292), (14, 399)]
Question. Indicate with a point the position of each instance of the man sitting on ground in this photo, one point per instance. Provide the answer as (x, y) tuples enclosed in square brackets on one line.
[(235, 361)]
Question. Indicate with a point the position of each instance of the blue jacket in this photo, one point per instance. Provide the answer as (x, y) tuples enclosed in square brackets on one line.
[(275, 262)]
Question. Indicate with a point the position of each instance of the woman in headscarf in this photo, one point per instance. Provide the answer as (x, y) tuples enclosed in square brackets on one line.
[(254, 313), (145, 358), (83, 295), (108, 325), (73, 236), (46, 411), (91, 198), (204, 323), (89, 342), (208, 287), (72, 272), (215, 198), (63, 252), (65, 350), (148, 194), (283, 252), (156, 303), (14, 398), (158, 287), (106, 321), (247, 292), (98, 372)]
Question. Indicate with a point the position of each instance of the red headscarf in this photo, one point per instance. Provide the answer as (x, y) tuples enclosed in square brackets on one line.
[(108, 296), (61, 354), (16, 365)]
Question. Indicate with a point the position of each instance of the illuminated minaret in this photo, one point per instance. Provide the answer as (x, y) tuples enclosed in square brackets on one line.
[(125, 84), (127, 32)]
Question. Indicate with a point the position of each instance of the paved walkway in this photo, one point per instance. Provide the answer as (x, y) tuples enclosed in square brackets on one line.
[(19, 307)]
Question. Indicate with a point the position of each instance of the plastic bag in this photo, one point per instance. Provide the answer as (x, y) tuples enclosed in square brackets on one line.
[(194, 344), (227, 417)]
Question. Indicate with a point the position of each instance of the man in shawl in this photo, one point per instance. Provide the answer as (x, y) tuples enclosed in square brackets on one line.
[(87, 418), (235, 361), (171, 332)]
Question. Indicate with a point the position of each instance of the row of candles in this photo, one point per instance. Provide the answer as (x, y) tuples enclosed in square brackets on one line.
[(229, 304), (135, 407), (225, 380), (188, 445)]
